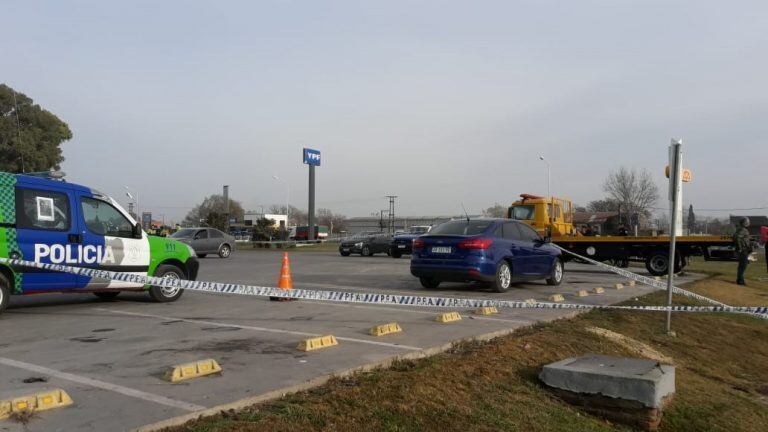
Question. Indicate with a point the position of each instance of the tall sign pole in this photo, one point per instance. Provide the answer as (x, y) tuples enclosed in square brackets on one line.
[(226, 208), (675, 198), (312, 158)]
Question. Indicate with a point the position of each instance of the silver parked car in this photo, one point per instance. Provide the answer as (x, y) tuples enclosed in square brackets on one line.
[(206, 241)]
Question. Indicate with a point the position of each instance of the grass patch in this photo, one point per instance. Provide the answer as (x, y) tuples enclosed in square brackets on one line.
[(722, 376)]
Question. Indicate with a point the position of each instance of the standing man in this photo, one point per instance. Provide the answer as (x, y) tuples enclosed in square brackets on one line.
[(743, 246)]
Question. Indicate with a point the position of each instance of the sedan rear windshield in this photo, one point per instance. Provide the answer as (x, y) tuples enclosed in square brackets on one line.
[(183, 233), (462, 228)]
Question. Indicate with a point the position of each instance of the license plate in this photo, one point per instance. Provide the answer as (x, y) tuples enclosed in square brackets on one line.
[(441, 249), (401, 246)]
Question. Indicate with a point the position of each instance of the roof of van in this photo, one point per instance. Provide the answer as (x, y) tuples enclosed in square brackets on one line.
[(34, 180)]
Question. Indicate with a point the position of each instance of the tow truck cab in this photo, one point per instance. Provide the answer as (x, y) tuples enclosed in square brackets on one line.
[(51, 221), (548, 216)]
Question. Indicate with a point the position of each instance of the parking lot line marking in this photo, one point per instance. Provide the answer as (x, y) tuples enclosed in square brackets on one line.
[(262, 329), (149, 397), (426, 311)]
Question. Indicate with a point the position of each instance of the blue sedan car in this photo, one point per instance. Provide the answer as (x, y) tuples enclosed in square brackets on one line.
[(494, 251)]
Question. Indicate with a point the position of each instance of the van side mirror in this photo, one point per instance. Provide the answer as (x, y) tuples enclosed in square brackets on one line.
[(137, 230)]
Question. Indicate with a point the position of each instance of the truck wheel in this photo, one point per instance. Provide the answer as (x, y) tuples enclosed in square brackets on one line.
[(658, 264), (106, 295), (503, 278), (5, 293), (164, 294), (429, 283), (556, 277)]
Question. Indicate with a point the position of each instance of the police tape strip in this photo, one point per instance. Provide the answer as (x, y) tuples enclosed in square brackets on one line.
[(366, 298), (653, 282)]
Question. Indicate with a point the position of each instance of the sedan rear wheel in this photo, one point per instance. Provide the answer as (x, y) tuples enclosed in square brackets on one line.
[(503, 277), (225, 251), (429, 283), (365, 251)]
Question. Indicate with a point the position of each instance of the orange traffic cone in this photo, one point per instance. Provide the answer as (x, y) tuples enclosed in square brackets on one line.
[(286, 281)]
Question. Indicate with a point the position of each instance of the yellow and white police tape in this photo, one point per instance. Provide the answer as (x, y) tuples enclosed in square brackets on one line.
[(366, 298)]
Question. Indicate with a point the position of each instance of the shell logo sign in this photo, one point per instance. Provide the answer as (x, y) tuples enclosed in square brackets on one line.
[(687, 174)]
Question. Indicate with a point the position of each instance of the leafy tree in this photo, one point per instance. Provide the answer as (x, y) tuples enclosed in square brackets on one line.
[(264, 229), (29, 133), (211, 212), (633, 190), (495, 211), (603, 205)]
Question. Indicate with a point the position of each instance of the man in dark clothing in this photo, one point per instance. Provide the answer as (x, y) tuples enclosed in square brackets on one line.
[(743, 246), (622, 231)]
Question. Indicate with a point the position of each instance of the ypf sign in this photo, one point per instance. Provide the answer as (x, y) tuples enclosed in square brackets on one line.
[(312, 157)]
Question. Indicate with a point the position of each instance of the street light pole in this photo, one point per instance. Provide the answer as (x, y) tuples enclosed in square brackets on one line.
[(551, 207), (541, 158), (136, 200), (287, 198)]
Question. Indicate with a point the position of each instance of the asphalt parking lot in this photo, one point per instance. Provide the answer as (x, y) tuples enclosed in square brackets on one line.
[(110, 355)]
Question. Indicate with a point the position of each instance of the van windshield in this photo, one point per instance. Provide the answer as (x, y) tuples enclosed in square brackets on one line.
[(462, 228)]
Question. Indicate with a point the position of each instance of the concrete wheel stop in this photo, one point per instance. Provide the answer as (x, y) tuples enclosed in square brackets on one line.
[(625, 390)]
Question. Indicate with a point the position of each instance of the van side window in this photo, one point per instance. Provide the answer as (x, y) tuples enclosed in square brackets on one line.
[(42, 210), (102, 218)]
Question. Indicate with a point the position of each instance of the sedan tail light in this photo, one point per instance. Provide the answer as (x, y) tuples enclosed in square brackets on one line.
[(480, 243), (418, 244)]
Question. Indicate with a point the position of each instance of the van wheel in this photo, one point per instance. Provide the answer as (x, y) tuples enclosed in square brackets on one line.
[(5, 292), (429, 283), (166, 294), (503, 278), (225, 251), (556, 277), (106, 295)]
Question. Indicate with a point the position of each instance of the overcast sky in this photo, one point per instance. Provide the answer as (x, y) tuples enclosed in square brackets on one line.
[(438, 102)]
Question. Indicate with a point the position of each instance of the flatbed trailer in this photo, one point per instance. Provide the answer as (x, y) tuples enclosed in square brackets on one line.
[(653, 251), (553, 217)]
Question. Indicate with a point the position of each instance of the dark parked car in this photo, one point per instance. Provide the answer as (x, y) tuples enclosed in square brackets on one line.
[(206, 241), (495, 251), (402, 244), (366, 246)]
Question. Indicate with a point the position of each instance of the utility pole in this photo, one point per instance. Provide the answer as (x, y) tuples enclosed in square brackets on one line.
[(226, 209), (391, 213), (675, 198)]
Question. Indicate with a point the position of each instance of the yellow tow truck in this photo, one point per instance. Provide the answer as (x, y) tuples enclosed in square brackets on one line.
[(553, 217)]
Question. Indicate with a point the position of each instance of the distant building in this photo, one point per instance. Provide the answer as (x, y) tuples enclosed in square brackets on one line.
[(357, 225)]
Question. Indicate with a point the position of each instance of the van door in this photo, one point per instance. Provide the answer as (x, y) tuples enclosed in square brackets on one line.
[(109, 243), (46, 233)]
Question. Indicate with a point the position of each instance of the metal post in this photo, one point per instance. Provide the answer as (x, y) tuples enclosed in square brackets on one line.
[(311, 212), (675, 167), (226, 209)]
